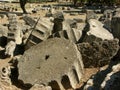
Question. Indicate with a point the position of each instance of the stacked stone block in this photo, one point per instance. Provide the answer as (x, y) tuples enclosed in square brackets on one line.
[(12, 26)]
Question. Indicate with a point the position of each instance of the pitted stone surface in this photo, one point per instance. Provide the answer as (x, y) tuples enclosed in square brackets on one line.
[(98, 53), (50, 60)]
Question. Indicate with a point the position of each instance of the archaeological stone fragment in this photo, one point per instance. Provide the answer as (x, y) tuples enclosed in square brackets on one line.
[(98, 53), (94, 30), (51, 63), (91, 15), (41, 30), (58, 19), (115, 26)]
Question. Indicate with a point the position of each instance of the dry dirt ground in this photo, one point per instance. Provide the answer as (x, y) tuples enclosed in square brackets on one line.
[(88, 71)]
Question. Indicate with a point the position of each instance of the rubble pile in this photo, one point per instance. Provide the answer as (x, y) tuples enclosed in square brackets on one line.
[(55, 50), (106, 79)]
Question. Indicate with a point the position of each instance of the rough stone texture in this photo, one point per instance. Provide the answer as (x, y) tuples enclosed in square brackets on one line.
[(68, 32), (98, 53), (12, 26), (29, 20), (58, 19), (115, 27), (91, 15), (108, 14), (5, 71), (72, 23), (74, 36), (107, 24), (107, 79), (52, 62), (14, 32), (112, 80), (40, 32), (40, 87), (117, 11), (94, 30)]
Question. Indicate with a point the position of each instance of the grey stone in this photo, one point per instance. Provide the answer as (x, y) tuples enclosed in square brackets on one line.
[(52, 62), (40, 32), (29, 20), (98, 53), (108, 14), (3, 31), (112, 79), (59, 16), (91, 15), (58, 19), (115, 26), (73, 35), (95, 30), (40, 87), (106, 79), (72, 23)]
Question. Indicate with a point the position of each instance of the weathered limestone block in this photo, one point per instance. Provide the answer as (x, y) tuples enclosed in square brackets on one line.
[(50, 63), (58, 19), (94, 30), (91, 15), (40, 32), (68, 32), (117, 11), (14, 33), (5, 72), (29, 20), (108, 14), (115, 26), (98, 53), (72, 23), (73, 34), (40, 87)]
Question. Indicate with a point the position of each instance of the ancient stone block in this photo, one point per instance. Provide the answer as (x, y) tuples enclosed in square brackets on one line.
[(74, 35), (52, 62), (40, 87), (58, 19), (94, 30), (41, 31), (91, 15), (98, 53), (115, 27)]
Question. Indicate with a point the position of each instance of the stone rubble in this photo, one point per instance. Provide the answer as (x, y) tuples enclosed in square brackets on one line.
[(50, 52)]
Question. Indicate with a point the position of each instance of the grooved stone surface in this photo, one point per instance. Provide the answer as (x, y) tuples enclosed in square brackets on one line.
[(47, 61)]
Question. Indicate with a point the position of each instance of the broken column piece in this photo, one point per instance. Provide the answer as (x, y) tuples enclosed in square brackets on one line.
[(50, 65), (41, 30)]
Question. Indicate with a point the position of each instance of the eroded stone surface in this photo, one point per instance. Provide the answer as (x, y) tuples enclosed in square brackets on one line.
[(49, 61), (98, 53)]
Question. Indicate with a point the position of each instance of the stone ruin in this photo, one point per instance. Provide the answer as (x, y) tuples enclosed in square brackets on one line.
[(94, 30), (40, 30), (98, 53), (55, 61), (106, 79)]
